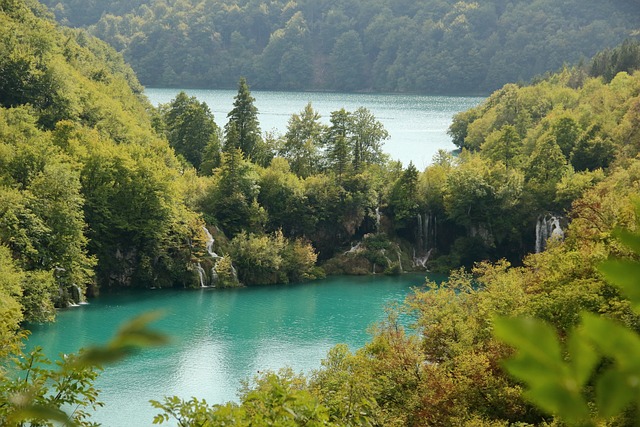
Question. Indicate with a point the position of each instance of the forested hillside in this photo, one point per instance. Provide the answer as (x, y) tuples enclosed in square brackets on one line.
[(98, 189), (564, 149), (89, 193), (429, 46)]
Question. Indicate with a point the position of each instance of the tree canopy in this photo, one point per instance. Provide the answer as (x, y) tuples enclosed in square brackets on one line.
[(428, 46)]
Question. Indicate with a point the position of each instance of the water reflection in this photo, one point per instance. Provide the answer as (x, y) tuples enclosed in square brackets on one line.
[(221, 337)]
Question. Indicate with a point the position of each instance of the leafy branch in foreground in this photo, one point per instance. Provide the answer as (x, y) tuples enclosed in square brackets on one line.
[(34, 393), (275, 400), (592, 376)]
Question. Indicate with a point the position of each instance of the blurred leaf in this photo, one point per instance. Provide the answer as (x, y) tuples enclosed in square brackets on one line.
[(556, 400), (613, 393), (613, 340), (133, 335), (583, 357), (631, 240), (531, 336), (624, 274), (530, 370), (37, 412)]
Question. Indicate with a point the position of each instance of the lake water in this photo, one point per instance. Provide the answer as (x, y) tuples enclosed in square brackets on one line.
[(417, 124), (220, 337)]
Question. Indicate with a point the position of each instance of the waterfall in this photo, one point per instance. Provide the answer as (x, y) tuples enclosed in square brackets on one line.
[(426, 238), (422, 262), (75, 295), (354, 248), (547, 227), (202, 275), (210, 241), (399, 262), (426, 230), (234, 273), (201, 272), (419, 232), (378, 217)]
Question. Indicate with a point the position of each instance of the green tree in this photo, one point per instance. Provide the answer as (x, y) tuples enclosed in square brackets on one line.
[(191, 130), (503, 146), (403, 200), (544, 170), (244, 117), (348, 62), (232, 200), (338, 150), (367, 137), (282, 195), (302, 142), (11, 280)]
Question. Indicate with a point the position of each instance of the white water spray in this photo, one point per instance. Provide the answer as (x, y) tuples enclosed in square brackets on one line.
[(547, 227)]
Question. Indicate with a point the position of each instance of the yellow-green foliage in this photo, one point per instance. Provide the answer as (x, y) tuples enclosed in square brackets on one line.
[(85, 183)]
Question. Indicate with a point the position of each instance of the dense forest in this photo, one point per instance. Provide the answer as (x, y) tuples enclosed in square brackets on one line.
[(99, 190), (428, 46)]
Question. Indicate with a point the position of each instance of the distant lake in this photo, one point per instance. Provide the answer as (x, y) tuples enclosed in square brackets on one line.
[(417, 124), (221, 336)]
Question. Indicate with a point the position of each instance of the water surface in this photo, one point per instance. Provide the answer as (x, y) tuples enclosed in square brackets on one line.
[(417, 124), (220, 337)]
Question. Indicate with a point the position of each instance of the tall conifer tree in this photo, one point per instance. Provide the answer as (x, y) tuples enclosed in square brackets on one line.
[(244, 116)]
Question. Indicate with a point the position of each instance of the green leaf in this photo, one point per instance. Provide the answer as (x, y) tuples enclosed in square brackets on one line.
[(613, 340), (613, 393), (569, 406), (530, 336), (631, 240), (133, 335), (583, 357), (37, 412), (625, 274), (529, 370)]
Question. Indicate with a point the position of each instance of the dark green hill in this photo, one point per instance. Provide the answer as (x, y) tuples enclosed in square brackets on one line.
[(430, 46)]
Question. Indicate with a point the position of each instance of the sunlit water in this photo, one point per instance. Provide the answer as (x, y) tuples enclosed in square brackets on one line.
[(417, 124), (220, 337)]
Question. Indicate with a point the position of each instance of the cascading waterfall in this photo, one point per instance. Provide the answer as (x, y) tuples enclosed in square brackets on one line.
[(209, 245), (378, 218), (420, 232), (425, 238), (427, 230), (234, 273), (201, 272), (547, 227), (202, 275)]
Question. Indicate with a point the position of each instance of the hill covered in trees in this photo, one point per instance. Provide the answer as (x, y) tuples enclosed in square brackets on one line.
[(99, 189), (565, 147), (428, 46)]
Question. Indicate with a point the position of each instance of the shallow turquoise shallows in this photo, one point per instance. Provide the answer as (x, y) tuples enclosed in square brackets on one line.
[(221, 336), (417, 124)]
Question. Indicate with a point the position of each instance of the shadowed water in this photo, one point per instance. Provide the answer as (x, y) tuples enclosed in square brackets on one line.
[(220, 337), (417, 124)]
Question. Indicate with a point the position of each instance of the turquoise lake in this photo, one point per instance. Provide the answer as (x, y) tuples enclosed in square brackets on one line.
[(221, 336), (417, 124)]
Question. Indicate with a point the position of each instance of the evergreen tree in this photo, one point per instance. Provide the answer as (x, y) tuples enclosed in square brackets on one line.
[(244, 117), (338, 151)]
